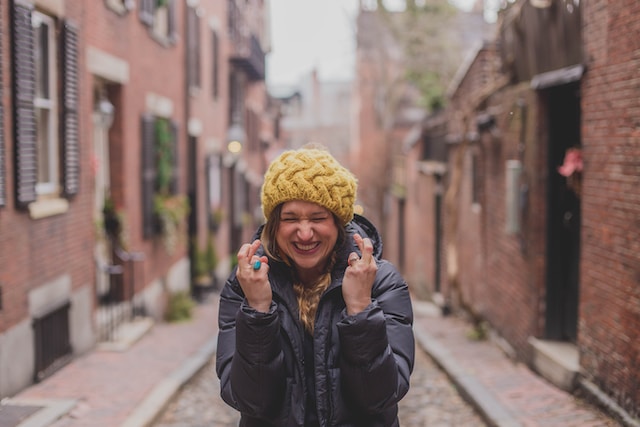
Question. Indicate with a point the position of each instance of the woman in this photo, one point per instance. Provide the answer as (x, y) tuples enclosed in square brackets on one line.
[(315, 329)]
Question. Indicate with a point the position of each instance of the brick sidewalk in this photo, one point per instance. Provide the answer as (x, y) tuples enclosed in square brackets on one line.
[(505, 393), (128, 388)]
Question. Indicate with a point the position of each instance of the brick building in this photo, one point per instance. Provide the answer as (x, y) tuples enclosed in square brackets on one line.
[(115, 174), (543, 252)]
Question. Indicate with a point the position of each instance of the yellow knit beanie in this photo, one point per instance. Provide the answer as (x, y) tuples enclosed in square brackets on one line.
[(311, 175)]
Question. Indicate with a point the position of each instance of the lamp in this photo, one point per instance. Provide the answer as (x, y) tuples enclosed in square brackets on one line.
[(106, 111), (235, 138)]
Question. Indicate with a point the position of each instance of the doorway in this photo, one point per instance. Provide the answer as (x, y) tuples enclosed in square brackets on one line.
[(103, 114), (563, 215)]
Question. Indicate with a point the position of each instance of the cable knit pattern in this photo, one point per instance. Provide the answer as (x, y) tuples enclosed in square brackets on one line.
[(311, 175)]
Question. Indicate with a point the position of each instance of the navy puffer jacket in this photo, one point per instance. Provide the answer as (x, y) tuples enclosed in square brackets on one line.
[(362, 362)]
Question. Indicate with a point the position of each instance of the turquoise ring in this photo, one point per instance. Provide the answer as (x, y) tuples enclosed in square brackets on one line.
[(256, 265)]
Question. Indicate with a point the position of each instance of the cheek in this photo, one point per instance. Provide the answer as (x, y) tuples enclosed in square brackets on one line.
[(282, 237)]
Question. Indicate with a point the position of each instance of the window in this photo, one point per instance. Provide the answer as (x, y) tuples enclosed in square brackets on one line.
[(193, 47), (159, 170), (159, 16), (46, 104), (120, 6), (45, 108)]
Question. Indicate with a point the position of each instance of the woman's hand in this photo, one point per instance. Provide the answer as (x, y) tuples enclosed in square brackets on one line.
[(254, 281), (359, 277)]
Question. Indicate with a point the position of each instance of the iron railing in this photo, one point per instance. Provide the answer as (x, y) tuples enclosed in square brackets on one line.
[(118, 304)]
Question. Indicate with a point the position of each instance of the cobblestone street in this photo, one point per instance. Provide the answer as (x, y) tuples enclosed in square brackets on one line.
[(432, 401)]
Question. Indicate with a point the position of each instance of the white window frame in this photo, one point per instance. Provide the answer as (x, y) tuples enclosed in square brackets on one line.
[(46, 106), (161, 21)]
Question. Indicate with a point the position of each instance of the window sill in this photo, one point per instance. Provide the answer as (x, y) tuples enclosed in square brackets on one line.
[(48, 207)]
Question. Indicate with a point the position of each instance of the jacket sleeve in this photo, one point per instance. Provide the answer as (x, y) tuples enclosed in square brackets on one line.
[(249, 359), (377, 345)]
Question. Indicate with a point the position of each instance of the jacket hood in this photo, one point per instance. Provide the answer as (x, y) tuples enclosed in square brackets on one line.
[(365, 228)]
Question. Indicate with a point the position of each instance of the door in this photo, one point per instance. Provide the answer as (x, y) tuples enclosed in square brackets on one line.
[(563, 216), (100, 166)]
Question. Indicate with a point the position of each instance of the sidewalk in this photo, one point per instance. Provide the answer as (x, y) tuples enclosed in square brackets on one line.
[(505, 393), (129, 388)]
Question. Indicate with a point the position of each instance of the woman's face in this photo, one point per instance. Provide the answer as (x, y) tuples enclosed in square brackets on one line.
[(307, 234)]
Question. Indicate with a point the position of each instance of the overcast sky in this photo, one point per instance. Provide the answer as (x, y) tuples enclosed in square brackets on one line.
[(308, 34)]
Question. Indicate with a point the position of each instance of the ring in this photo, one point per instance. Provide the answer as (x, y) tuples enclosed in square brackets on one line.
[(353, 259), (256, 265)]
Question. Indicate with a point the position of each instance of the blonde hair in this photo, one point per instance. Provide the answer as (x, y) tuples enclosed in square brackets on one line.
[(308, 299)]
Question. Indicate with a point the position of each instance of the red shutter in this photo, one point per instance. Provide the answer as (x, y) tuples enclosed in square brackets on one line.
[(70, 139), (24, 118)]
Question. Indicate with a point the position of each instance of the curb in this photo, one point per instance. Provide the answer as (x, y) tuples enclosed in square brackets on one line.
[(493, 412), (155, 402)]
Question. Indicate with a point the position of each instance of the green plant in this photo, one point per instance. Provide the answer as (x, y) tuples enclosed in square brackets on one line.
[(200, 261), (171, 210), (180, 307), (113, 222), (164, 155)]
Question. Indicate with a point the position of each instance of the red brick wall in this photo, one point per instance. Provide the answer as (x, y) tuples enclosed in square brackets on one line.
[(35, 251), (609, 329), (499, 274), (155, 67)]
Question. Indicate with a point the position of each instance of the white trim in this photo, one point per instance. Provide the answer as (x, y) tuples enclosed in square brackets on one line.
[(54, 7), (159, 106), (107, 66), (194, 127), (48, 207)]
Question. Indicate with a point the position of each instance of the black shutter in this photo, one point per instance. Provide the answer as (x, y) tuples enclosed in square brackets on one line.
[(24, 118), (146, 12), (3, 197), (148, 174), (175, 178), (215, 57), (70, 138)]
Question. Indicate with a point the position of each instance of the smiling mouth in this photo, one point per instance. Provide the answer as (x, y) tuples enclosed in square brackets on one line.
[(306, 248)]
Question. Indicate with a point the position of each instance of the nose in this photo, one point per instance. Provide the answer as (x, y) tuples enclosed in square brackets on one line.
[(305, 230)]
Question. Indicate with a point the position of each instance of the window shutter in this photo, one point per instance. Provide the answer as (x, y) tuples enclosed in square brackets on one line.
[(70, 142), (24, 118), (193, 47), (147, 9), (175, 179), (215, 67), (171, 24), (3, 197), (148, 174)]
